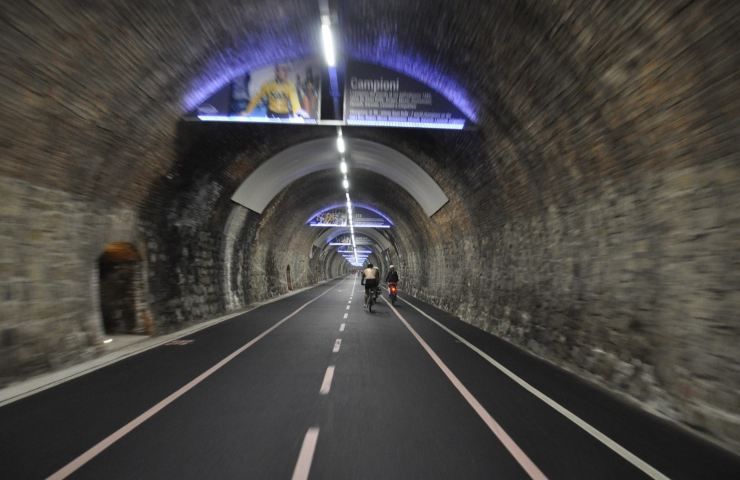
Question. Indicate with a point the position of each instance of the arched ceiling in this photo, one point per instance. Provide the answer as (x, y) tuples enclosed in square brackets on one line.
[(88, 77), (272, 176)]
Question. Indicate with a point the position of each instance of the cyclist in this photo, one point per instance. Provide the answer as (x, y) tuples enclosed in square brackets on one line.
[(392, 280), (392, 276), (370, 280)]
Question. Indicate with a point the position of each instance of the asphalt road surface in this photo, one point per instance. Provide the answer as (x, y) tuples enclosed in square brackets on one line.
[(313, 386)]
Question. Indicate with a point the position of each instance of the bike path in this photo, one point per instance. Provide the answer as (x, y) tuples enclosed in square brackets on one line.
[(43, 432), (390, 411), (248, 419), (554, 442)]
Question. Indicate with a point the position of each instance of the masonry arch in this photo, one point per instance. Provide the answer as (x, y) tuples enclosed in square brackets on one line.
[(272, 176), (122, 304)]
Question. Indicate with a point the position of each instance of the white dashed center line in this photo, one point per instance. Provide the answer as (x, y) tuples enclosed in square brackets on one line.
[(326, 384), (347, 307), (305, 457), (337, 345), (341, 327), (96, 449), (346, 315)]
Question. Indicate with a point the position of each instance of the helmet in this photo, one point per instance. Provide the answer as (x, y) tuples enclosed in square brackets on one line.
[(392, 266)]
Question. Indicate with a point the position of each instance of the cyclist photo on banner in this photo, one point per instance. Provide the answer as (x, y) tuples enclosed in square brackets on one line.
[(283, 92)]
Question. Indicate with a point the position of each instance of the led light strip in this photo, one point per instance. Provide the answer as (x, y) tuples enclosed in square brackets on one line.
[(341, 148), (390, 123)]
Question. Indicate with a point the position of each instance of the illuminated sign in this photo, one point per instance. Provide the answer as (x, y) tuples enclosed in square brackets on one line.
[(346, 240), (359, 251), (363, 216), (377, 96), (280, 93)]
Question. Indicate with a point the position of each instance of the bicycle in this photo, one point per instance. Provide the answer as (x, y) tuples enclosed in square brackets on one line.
[(371, 299)]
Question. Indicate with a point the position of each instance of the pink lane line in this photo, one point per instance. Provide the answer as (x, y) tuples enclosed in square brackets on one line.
[(80, 461), (305, 457), (524, 461)]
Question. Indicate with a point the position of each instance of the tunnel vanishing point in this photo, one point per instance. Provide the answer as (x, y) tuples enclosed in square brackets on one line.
[(588, 213)]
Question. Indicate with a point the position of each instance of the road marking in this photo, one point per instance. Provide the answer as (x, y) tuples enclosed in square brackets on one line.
[(347, 307), (645, 467), (305, 457), (179, 342), (524, 461), (337, 345), (78, 462), (346, 315), (349, 301), (326, 384), (341, 327)]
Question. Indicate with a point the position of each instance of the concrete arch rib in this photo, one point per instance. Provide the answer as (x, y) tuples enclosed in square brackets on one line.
[(259, 188), (331, 233)]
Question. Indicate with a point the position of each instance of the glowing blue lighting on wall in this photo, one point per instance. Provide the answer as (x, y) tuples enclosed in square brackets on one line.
[(245, 119), (381, 123), (355, 206), (385, 51)]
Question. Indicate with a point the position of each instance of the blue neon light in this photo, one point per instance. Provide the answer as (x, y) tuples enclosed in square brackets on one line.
[(246, 119), (384, 123), (304, 121), (385, 51), (355, 206), (356, 225), (333, 82)]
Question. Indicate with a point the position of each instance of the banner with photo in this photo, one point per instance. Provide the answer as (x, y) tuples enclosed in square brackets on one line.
[(377, 96), (280, 93)]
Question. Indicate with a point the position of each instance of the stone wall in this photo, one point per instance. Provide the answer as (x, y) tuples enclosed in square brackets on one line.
[(592, 215), (631, 285), (51, 242)]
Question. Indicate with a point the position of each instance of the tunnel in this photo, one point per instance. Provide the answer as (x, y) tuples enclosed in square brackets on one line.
[(565, 232)]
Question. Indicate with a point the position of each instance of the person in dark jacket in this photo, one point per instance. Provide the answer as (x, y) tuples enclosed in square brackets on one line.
[(392, 276)]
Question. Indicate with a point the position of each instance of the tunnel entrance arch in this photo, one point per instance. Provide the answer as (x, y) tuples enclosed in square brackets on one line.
[(120, 269), (272, 176)]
